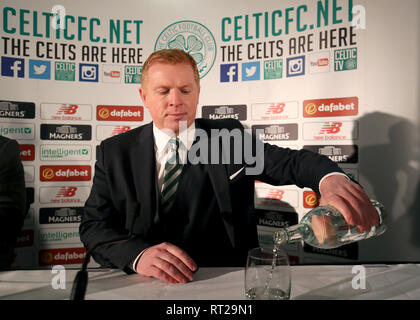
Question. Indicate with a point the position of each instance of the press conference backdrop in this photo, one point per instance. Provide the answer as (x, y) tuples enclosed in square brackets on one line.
[(338, 77)]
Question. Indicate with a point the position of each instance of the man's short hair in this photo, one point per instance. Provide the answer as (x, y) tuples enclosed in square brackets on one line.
[(170, 56)]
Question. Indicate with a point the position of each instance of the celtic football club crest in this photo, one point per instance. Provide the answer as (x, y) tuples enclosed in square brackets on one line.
[(192, 37)]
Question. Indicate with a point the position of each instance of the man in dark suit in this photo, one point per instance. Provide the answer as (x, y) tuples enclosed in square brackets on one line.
[(194, 213), (12, 199)]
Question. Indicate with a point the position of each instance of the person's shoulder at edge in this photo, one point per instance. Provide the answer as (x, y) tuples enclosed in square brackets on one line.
[(10, 147)]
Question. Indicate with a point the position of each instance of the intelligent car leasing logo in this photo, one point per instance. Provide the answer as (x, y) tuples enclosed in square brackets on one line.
[(65, 152), (88, 72), (192, 37), (39, 69), (18, 131), (12, 67)]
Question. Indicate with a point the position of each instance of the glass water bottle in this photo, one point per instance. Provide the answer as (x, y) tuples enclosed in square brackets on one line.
[(324, 227)]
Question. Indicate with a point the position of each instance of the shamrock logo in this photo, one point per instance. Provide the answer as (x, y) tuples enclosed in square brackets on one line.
[(192, 46)]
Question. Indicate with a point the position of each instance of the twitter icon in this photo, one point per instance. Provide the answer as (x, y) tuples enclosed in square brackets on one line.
[(250, 71), (39, 69)]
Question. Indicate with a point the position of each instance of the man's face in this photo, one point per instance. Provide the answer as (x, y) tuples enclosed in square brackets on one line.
[(171, 95)]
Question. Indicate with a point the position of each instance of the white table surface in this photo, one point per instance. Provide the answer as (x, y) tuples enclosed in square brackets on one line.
[(308, 282)]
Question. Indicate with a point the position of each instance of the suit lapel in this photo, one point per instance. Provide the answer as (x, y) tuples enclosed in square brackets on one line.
[(220, 183), (143, 165)]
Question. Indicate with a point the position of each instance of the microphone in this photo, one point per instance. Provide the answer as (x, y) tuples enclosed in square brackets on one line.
[(80, 282)]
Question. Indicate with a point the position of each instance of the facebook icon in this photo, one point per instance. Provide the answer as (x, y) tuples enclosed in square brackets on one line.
[(229, 72), (12, 67)]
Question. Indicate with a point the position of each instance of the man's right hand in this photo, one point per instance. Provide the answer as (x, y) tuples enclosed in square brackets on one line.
[(166, 262)]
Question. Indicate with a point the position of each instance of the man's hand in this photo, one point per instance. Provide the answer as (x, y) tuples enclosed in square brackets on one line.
[(166, 262), (350, 199)]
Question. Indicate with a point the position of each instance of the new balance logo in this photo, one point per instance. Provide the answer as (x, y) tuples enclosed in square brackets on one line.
[(68, 109), (275, 108), (66, 192), (275, 194), (120, 129), (331, 127)]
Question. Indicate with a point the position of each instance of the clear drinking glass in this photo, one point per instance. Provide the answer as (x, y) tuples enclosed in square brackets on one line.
[(267, 274)]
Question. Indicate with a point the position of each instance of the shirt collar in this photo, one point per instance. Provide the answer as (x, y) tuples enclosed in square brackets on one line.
[(162, 137)]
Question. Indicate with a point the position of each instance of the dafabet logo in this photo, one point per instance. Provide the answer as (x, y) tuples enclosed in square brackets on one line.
[(27, 152), (119, 113), (65, 173), (310, 199), (331, 107), (61, 256)]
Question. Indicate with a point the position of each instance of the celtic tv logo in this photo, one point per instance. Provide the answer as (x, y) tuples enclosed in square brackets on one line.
[(193, 38)]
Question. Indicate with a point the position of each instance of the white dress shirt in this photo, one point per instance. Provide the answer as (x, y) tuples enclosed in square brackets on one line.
[(162, 153)]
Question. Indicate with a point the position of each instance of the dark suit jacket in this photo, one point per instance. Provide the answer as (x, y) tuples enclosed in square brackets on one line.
[(125, 173), (12, 198)]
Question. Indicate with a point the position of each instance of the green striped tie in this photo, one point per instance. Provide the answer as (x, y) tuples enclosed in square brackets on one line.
[(171, 176)]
